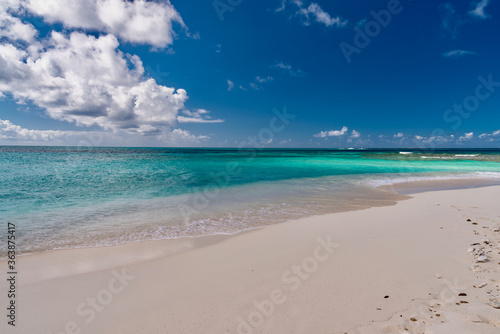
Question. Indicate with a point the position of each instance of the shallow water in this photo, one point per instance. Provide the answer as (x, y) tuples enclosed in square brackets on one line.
[(62, 197)]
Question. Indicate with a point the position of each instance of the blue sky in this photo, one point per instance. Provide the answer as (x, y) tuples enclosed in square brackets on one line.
[(216, 73)]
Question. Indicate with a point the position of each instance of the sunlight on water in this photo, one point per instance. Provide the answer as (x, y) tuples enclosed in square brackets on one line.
[(81, 197)]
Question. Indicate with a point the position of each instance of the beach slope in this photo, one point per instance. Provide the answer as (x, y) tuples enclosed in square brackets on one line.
[(397, 269)]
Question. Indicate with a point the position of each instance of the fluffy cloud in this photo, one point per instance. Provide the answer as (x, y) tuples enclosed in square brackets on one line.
[(332, 133), (313, 12), (15, 132), (321, 16), (355, 134), (399, 135), (139, 21), (490, 136), (185, 135), (87, 80), (16, 135), (12, 27), (434, 139), (467, 136), (458, 53)]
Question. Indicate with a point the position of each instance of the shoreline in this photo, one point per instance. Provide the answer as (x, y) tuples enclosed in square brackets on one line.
[(400, 191), (416, 187), (213, 282)]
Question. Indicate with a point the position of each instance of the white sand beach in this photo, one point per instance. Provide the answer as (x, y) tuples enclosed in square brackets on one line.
[(397, 269)]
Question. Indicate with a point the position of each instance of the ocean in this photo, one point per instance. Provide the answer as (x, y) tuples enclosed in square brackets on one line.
[(73, 197)]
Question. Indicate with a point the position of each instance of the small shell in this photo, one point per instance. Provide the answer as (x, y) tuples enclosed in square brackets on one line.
[(482, 258), (495, 303)]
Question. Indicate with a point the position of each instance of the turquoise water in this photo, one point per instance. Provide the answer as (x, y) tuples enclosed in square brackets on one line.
[(63, 197)]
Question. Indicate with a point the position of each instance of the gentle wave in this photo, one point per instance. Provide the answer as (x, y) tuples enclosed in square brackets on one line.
[(448, 157), (403, 179), (439, 157), (72, 198), (292, 201)]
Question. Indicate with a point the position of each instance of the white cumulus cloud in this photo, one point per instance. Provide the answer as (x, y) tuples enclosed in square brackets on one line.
[(139, 21), (12, 27), (87, 80), (467, 136), (490, 136), (355, 134), (15, 132), (12, 134), (332, 133)]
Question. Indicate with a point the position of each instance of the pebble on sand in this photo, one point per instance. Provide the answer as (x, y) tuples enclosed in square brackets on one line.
[(482, 258), (495, 303)]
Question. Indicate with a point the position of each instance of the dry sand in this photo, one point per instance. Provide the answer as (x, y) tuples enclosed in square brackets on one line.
[(397, 269)]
